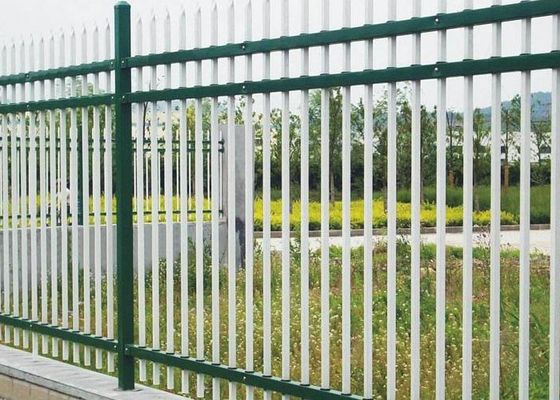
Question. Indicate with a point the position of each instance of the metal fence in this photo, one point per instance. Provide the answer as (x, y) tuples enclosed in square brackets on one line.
[(200, 336)]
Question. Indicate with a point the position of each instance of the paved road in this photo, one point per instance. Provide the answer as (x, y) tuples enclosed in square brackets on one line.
[(540, 240)]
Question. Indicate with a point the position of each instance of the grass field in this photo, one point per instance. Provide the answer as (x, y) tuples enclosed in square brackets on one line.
[(509, 320)]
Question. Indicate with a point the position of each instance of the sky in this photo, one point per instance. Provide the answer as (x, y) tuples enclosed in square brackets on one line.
[(21, 20)]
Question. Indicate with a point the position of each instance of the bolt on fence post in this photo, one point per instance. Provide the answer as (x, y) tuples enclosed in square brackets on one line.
[(124, 192)]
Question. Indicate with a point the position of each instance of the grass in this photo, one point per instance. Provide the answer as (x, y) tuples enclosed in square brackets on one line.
[(509, 319)]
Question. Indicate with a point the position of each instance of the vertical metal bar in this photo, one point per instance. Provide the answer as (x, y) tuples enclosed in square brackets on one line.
[(86, 259), (368, 216), (52, 201), (96, 169), (231, 178), (43, 202), (392, 217), (15, 201), (525, 217), (63, 202), (74, 183), (325, 204), (155, 185), (346, 198), (125, 177), (199, 204), (495, 186), (24, 204), (304, 182), (183, 149), (140, 206), (215, 207), (5, 194), (554, 357), (33, 203), (249, 206), (267, 273), (468, 183), (108, 183), (441, 215), (286, 205), (168, 182), (415, 247)]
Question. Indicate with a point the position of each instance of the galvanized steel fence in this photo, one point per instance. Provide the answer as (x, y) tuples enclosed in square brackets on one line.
[(58, 119)]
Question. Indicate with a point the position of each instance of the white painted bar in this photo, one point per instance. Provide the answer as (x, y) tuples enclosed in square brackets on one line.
[(415, 246), (554, 363), (51, 195), (5, 195), (441, 214), (468, 183), (155, 186), (214, 172), (15, 201), (267, 284), (325, 204), (96, 167), (495, 192), (199, 206), (183, 147), (140, 121), (368, 215), (249, 205), (286, 202), (392, 216), (24, 202), (231, 177), (525, 217), (62, 200), (86, 259), (74, 203), (108, 189), (33, 203), (43, 201), (304, 225), (168, 188)]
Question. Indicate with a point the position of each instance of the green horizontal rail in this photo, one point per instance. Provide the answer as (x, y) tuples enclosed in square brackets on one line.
[(59, 332), (526, 62), (58, 73), (58, 104), (482, 16), (290, 388)]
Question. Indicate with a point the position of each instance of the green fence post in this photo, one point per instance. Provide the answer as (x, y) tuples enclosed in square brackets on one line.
[(124, 183)]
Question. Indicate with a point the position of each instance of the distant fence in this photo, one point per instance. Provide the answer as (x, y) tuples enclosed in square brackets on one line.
[(217, 331)]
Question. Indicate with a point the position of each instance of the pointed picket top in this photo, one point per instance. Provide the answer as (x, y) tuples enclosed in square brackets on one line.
[(84, 53), (73, 47), (153, 32), (139, 36), (266, 18), (4, 59), (183, 29), (167, 30), (107, 31), (248, 20), (95, 43), (198, 26), (52, 47), (62, 48), (22, 54), (13, 57), (215, 23), (41, 61), (31, 53)]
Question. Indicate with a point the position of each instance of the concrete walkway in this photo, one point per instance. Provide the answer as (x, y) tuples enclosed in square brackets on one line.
[(540, 240)]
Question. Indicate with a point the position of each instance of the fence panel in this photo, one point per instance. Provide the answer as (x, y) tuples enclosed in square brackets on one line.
[(159, 166)]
